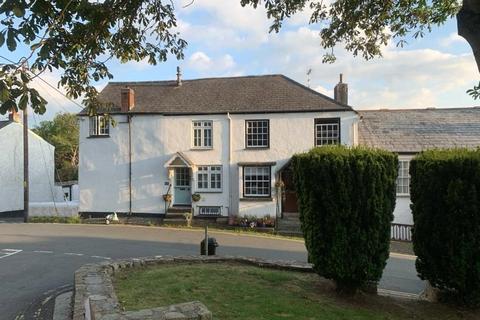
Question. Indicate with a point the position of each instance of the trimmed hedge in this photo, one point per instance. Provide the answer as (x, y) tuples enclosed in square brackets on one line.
[(445, 194), (346, 199)]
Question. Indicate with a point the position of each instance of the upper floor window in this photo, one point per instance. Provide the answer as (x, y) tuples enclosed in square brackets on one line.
[(99, 126), (209, 178), (257, 133), (327, 131), (202, 134), (256, 181), (403, 178)]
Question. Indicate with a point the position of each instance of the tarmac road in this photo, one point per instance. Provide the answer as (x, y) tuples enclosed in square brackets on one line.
[(38, 260)]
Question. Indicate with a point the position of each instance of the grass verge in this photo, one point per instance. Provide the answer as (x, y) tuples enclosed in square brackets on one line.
[(240, 292)]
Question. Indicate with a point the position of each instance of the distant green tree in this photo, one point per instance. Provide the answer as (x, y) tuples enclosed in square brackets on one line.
[(62, 133)]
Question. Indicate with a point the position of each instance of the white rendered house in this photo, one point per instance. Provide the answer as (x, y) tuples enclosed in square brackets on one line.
[(227, 139), (41, 168)]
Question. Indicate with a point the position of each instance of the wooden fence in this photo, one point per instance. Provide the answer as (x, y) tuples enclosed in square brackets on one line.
[(401, 232)]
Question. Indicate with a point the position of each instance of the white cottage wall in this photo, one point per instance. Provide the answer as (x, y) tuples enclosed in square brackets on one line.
[(41, 169), (290, 133), (104, 170)]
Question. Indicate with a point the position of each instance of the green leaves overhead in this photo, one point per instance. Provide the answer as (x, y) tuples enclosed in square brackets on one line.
[(363, 27), (77, 38)]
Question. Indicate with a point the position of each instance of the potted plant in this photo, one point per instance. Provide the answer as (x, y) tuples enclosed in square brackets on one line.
[(196, 197), (167, 197)]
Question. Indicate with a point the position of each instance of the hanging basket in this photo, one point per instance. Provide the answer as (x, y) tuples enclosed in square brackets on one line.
[(196, 197)]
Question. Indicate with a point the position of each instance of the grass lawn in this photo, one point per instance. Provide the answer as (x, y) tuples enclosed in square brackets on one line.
[(234, 291)]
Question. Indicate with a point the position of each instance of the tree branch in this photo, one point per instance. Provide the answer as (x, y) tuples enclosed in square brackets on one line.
[(468, 23)]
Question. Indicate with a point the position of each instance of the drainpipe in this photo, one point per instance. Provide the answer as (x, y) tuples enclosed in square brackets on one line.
[(230, 197), (129, 118)]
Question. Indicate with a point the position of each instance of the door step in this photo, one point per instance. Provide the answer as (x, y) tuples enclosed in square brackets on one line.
[(179, 209)]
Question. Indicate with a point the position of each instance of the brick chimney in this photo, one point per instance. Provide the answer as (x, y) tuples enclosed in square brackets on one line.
[(340, 92), (14, 116), (128, 99)]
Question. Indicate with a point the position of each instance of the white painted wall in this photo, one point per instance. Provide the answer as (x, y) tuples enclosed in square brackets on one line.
[(52, 209), (104, 172), (41, 169), (290, 133), (103, 168)]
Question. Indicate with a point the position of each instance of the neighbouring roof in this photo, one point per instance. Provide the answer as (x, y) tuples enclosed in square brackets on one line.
[(410, 131), (4, 123), (249, 94)]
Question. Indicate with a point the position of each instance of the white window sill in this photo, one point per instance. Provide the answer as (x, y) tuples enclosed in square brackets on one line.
[(201, 148)]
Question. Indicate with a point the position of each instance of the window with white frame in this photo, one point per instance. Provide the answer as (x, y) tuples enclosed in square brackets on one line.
[(202, 134), (327, 131), (257, 133), (209, 211), (256, 181), (99, 126), (209, 178), (403, 178)]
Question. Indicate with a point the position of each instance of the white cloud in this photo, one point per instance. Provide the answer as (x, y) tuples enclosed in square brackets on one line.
[(204, 64), (401, 79), (452, 38)]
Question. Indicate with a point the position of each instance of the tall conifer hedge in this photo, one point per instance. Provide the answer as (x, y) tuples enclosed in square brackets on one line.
[(346, 201), (445, 194)]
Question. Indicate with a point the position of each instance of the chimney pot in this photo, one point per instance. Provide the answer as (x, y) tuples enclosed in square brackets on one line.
[(14, 116), (179, 77), (127, 99), (341, 91)]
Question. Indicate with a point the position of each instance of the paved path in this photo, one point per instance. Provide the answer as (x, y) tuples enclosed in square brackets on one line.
[(36, 259)]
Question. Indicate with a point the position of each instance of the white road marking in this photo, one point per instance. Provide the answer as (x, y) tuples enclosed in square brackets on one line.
[(73, 254), (101, 257), (9, 252), (42, 251)]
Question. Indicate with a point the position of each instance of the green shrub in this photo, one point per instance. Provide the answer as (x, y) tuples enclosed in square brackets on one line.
[(346, 200), (445, 194)]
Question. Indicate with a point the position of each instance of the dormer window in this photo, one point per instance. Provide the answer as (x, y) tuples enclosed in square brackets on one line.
[(99, 126)]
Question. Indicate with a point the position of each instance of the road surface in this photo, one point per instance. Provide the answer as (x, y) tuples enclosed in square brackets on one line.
[(38, 259)]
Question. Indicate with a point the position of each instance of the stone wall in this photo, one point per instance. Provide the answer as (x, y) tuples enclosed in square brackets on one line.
[(95, 298)]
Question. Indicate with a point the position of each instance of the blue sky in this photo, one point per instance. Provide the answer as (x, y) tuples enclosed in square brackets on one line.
[(228, 40)]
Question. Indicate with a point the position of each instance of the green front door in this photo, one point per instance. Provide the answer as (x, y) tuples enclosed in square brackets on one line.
[(182, 189)]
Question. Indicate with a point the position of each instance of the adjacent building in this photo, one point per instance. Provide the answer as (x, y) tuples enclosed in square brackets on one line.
[(408, 132), (41, 168)]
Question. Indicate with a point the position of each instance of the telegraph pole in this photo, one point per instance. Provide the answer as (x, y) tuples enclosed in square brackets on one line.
[(25, 160)]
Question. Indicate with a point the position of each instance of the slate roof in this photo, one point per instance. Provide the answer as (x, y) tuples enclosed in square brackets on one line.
[(249, 94), (411, 131), (4, 123)]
